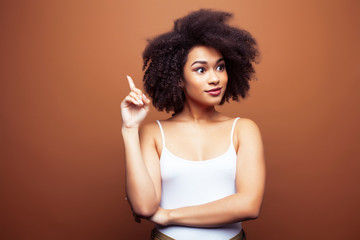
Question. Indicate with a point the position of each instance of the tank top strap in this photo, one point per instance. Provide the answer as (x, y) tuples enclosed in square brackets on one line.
[(162, 133), (232, 130)]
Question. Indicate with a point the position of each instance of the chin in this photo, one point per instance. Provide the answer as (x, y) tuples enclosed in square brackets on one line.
[(214, 103)]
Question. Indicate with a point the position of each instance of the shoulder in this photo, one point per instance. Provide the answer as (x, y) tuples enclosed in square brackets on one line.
[(246, 128), (150, 135), (248, 139), (150, 129), (245, 122)]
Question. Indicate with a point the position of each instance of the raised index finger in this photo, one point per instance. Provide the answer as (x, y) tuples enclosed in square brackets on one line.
[(131, 82)]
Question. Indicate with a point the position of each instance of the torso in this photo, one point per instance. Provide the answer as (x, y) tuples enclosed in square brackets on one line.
[(198, 165)]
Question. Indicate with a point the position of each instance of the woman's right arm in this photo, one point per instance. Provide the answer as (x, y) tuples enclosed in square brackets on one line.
[(142, 174)]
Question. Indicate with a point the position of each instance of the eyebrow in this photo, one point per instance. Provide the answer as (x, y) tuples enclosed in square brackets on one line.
[(204, 62)]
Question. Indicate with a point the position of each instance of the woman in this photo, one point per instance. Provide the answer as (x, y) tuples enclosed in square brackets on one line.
[(198, 174)]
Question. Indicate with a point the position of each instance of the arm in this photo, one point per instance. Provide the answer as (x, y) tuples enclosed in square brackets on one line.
[(141, 167), (245, 203)]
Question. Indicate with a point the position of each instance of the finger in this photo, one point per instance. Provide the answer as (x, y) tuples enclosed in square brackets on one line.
[(136, 90), (131, 82), (131, 100), (146, 101), (137, 97)]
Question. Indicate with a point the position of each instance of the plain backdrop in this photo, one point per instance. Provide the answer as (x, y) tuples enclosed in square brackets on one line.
[(63, 66)]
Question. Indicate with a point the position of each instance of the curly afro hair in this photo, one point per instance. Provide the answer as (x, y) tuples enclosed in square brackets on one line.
[(165, 56)]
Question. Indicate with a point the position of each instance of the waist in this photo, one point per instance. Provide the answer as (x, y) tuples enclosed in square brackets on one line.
[(227, 231)]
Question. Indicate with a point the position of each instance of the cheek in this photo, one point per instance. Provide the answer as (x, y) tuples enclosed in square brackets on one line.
[(225, 79), (193, 87), (192, 83), (225, 84)]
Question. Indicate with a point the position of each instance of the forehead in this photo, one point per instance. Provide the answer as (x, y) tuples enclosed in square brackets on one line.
[(203, 53)]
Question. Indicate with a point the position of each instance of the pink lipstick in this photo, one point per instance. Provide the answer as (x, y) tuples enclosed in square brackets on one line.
[(214, 92)]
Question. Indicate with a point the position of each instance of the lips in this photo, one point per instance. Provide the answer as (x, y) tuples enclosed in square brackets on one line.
[(214, 91)]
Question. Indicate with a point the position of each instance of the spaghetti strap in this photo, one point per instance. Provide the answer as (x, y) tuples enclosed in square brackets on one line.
[(232, 130), (162, 133)]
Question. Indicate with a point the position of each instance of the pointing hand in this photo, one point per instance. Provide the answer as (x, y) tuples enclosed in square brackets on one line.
[(134, 107)]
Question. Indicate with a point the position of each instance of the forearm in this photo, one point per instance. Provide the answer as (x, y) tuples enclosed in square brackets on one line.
[(234, 208), (139, 185)]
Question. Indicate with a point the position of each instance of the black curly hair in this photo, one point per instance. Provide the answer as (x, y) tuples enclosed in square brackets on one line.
[(165, 56)]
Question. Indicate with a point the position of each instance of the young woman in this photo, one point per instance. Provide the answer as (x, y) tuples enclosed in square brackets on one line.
[(198, 174)]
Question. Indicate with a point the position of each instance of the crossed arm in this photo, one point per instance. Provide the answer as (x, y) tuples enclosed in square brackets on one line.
[(144, 182)]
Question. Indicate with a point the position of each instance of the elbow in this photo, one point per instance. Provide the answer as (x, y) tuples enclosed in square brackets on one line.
[(253, 213), (254, 209), (254, 206), (145, 211)]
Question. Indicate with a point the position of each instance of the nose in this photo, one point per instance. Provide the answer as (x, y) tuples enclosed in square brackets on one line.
[(213, 78)]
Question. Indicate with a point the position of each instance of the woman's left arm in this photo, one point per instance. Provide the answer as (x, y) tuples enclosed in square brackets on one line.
[(250, 183)]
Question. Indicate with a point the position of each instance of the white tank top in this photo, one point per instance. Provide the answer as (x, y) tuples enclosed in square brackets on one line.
[(189, 183)]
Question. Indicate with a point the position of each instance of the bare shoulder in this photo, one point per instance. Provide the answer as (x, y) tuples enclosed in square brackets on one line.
[(246, 127), (246, 122), (150, 130), (248, 139), (150, 136)]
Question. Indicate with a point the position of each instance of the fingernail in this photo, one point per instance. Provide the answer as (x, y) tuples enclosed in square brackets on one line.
[(144, 96)]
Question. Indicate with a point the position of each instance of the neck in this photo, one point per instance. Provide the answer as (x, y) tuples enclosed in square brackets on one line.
[(196, 112)]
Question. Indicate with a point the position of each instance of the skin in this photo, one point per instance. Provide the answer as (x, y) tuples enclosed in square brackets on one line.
[(201, 137)]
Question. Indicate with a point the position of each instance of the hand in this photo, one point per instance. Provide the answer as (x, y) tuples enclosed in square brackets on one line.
[(161, 217), (134, 107)]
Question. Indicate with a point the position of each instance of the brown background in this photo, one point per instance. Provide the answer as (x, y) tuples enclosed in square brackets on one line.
[(63, 67)]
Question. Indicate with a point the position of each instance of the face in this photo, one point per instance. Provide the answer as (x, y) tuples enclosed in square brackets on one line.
[(205, 76)]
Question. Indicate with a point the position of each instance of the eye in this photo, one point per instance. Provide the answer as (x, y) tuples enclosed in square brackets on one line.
[(221, 67), (200, 70)]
